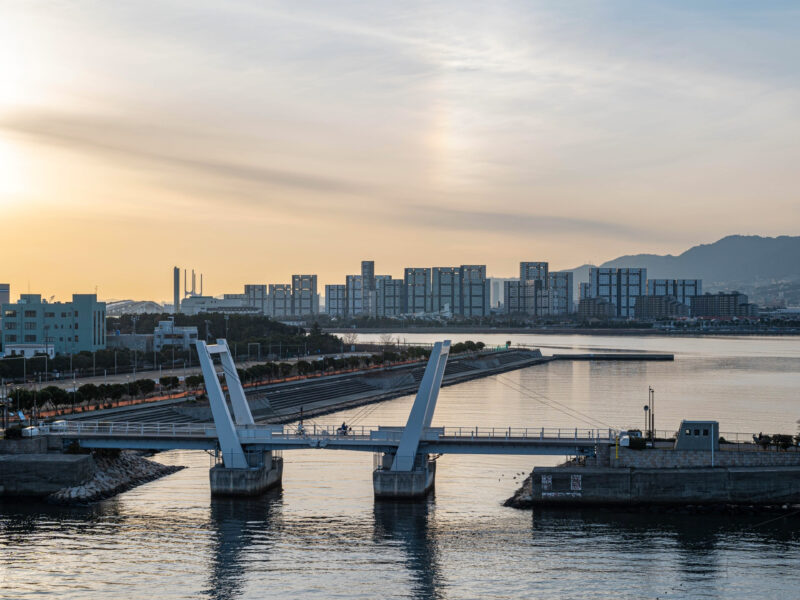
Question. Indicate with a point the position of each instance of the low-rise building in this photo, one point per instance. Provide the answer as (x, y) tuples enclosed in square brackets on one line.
[(659, 307), (229, 304), (596, 308), (723, 305), (167, 334), (69, 327), (130, 341)]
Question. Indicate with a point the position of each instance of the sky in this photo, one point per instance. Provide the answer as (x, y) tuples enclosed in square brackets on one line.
[(251, 140)]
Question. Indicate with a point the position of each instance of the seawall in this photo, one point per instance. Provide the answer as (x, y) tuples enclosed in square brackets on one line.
[(43, 474), (564, 486)]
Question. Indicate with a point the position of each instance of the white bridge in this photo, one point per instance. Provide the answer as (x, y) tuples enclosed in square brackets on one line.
[(404, 469)]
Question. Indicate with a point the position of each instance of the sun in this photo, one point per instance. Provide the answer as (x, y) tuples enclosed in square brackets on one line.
[(12, 173)]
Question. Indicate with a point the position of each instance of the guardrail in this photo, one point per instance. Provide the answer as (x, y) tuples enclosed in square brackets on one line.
[(70, 428), (363, 432), (530, 433)]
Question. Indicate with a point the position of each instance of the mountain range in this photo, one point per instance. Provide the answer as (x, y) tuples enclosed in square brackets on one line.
[(766, 268)]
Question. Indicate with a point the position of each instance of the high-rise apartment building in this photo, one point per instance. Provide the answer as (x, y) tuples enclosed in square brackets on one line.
[(336, 300), (390, 296), (514, 293), (680, 289), (280, 300), (531, 270), (474, 291), (620, 287), (257, 297), (418, 289), (5, 293), (560, 288), (369, 288), (305, 300), (355, 295), (446, 290), (63, 327)]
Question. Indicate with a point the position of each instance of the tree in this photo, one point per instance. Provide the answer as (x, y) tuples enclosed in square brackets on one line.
[(303, 367), (146, 386), (194, 381), (89, 391), (350, 338), (169, 382)]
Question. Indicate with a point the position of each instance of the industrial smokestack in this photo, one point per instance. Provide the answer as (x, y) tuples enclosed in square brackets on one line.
[(176, 290)]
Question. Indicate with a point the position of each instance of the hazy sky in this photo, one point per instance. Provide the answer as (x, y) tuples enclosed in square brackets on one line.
[(253, 140)]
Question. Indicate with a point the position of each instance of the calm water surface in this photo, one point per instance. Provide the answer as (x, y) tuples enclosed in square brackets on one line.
[(323, 536)]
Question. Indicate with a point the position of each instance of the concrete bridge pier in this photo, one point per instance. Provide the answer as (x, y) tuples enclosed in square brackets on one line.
[(404, 485), (263, 472)]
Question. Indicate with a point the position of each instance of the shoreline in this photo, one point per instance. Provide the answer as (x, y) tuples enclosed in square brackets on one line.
[(114, 475), (622, 331)]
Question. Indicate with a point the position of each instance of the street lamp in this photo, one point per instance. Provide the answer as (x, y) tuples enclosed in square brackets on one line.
[(172, 336)]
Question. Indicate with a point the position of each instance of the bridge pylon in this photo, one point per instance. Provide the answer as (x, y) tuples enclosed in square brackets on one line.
[(409, 473), (240, 473)]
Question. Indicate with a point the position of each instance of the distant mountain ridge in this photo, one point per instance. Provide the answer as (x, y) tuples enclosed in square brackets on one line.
[(745, 262)]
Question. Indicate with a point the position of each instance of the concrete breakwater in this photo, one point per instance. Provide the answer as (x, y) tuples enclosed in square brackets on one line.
[(667, 478), (112, 476)]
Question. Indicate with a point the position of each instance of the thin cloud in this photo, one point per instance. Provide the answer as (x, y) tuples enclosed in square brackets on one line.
[(116, 138)]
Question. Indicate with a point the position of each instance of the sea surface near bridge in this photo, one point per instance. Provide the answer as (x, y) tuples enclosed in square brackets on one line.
[(323, 536)]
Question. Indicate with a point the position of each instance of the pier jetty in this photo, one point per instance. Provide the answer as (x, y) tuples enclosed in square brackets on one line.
[(672, 473)]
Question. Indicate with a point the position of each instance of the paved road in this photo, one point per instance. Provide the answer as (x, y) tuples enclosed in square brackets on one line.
[(66, 382)]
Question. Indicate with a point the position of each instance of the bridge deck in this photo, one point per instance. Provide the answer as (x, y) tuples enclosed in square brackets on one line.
[(439, 440)]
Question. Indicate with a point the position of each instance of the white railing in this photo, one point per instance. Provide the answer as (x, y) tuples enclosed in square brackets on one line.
[(117, 428), (529, 433), (359, 432)]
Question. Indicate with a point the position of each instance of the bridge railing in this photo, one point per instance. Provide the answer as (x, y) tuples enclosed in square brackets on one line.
[(118, 428), (529, 433), (359, 432)]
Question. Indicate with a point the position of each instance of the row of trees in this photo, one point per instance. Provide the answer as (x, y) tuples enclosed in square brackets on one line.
[(56, 397), (273, 370)]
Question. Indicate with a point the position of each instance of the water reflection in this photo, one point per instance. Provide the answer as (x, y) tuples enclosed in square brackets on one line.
[(236, 524), (409, 523)]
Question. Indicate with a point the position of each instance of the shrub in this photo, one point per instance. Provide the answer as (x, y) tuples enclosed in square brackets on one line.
[(782, 441), (637, 443), (13, 433)]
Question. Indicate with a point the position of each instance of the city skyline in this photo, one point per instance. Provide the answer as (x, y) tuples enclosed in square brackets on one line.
[(256, 141)]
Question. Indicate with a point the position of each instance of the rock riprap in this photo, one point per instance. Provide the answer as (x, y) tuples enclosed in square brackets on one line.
[(114, 475)]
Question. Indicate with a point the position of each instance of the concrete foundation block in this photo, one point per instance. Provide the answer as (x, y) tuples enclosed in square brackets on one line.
[(246, 482), (404, 485)]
